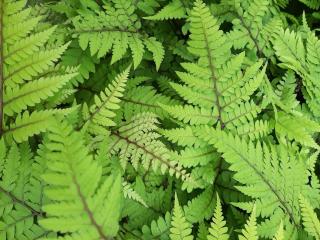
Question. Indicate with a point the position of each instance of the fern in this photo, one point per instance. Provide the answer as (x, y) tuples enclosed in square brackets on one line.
[(99, 115), (26, 61), (159, 228), (86, 200), (132, 194), (254, 23), (260, 163), (213, 133), (310, 219), (27, 124), (144, 99), (19, 204), (174, 10), (280, 233), (135, 140), (293, 128), (217, 96), (216, 90), (180, 229), (302, 60), (250, 230), (218, 230), (110, 33), (311, 3)]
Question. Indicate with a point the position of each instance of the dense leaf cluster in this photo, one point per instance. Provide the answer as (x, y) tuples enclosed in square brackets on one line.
[(159, 119)]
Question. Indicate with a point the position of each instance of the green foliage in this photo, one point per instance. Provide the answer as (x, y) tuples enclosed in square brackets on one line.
[(174, 10), (180, 229), (76, 201), (159, 119), (250, 230), (100, 114), (28, 72), (310, 219), (116, 29), (218, 230)]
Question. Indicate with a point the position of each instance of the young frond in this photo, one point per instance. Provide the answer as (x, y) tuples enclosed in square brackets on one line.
[(279, 234), (218, 229), (250, 230), (180, 228)]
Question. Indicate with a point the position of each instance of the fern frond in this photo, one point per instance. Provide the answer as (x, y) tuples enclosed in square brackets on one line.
[(216, 84), (99, 116), (173, 10), (17, 194), (28, 124), (289, 47), (254, 23), (103, 31), (27, 59), (202, 232), (200, 207), (191, 114), (191, 157), (310, 219), (156, 49), (314, 4), (136, 141), (159, 228), (17, 99), (144, 99), (299, 128), (254, 165), (219, 89), (30, 67), (130, 193), (250, 230), (75, 196), (279, 234), (218, 229), (180, 228), (301, 55), (185, 137)]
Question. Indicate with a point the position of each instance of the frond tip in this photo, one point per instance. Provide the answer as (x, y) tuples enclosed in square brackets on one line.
[(250, 230), (180, 228), (218, 229)]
